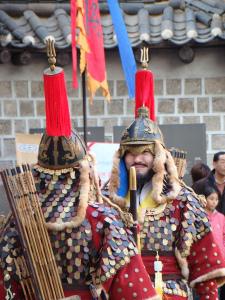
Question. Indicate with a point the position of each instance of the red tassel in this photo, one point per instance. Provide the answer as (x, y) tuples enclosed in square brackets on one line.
[(144, 92), (56, 105)]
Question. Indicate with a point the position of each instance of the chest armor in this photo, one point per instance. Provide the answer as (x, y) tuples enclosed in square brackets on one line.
[(158, 231), (180, 223)]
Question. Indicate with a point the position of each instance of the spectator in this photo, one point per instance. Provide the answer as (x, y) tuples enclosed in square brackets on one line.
[(216, 219), (215, 179), (199, 171)]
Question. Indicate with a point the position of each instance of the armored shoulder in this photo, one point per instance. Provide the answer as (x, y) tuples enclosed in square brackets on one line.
[(194, 221), (113, 240)]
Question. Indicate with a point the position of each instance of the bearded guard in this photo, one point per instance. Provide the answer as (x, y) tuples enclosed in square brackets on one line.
[(176, 237)]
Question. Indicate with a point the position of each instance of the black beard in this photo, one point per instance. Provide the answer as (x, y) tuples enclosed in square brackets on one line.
[(143, 179)]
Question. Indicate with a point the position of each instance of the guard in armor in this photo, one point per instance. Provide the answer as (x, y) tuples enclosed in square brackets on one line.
[(177, 245), (93, 247)]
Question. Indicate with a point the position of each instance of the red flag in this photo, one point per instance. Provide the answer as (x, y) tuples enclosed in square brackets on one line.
[(86, 17), (96, 72)]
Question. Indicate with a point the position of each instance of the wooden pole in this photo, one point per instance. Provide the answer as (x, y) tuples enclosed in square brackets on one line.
[(84, 107), (133, 205)]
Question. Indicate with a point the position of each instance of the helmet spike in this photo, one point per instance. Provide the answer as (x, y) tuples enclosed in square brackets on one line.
[(144, 57), (51, 54)]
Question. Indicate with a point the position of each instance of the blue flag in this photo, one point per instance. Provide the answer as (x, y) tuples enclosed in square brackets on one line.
[(125, 50)]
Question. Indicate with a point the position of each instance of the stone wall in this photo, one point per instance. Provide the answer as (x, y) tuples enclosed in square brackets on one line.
[(193, 93)]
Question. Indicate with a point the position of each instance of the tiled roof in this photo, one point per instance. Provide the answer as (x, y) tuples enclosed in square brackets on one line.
[(175, 21)]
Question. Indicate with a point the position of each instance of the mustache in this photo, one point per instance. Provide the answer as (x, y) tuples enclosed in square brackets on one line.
[(139, 164)]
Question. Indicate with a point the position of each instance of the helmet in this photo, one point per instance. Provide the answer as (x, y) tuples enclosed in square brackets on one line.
[(142, 130), (60, 152)]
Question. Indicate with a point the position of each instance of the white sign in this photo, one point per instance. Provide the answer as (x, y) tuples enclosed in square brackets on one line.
[(104, 153), (27, 148)]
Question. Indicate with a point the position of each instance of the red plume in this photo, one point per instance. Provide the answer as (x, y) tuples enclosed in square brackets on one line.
[(56, 104), (144, 92)]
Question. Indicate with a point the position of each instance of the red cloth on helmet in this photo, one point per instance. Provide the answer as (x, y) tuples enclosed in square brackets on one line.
[(144, 92)]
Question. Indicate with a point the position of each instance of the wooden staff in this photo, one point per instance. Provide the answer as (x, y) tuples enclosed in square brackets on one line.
[(34, 237), (40, 246), (35, 244), (133, 205), (48, 249)]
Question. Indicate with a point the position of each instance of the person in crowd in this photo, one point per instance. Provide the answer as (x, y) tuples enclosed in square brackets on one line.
[(217, 220), (176, 243), (199, 171), (93, 247), (215, 179)]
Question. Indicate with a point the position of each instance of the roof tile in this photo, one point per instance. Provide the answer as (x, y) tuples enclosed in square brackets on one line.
[(177, 21)]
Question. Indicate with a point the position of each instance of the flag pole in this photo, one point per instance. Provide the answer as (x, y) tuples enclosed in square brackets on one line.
[(84, 98)]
